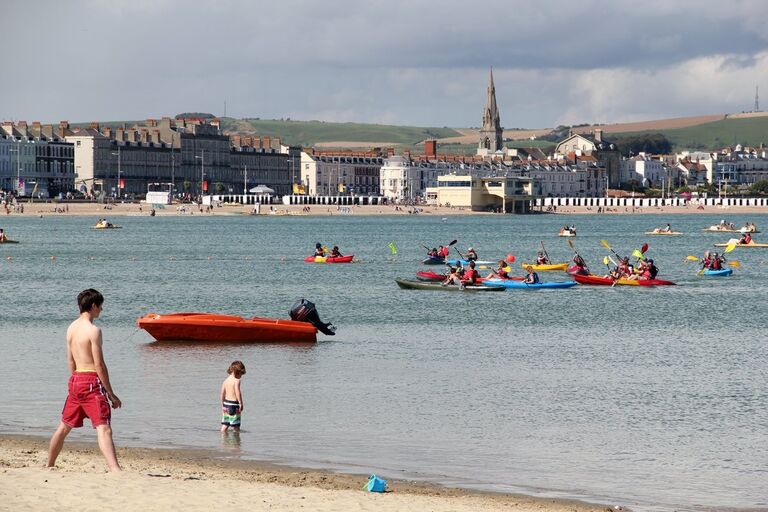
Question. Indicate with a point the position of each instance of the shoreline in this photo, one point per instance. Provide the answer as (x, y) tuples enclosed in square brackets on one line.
[(52, 209), (197, 479)]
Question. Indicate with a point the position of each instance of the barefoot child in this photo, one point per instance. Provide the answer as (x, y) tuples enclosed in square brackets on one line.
[(231, 398)]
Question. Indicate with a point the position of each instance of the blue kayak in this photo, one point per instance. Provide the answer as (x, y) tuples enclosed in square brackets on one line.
[(532, 286), (464, 263), (721, 272), (433, 260)]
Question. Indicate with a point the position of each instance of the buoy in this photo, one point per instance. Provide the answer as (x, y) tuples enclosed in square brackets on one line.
[(53, 258), (9, 258), (510, 258)]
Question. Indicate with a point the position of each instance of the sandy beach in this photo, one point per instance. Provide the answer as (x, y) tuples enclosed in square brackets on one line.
[(192, 480), (97, 210)]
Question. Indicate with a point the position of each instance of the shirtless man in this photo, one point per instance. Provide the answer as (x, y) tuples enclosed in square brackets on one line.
[(90, 392)]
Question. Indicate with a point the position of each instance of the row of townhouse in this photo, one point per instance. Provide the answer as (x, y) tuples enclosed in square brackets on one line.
[(35, 160), (185, 155)]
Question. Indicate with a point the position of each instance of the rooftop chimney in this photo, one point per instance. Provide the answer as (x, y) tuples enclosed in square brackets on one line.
[(430, 148), (598, 135)]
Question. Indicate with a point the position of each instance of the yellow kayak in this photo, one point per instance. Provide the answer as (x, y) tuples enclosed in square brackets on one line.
[(547, 267), (751, 244)]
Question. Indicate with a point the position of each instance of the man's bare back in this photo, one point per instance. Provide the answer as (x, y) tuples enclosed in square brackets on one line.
[(82, 339)]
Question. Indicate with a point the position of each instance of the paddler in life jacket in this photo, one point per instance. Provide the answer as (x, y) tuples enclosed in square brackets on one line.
[(470, 275), (434, 253), (470, 255), (746, 239), (541, 259), (443, 251), (625, 267), (335, 253), (706, 261), (581, 265), (454, 275), (499, 272), (319, 251), (532, 277), (717, 262)]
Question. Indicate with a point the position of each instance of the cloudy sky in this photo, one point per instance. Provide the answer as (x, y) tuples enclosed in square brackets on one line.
[(408, 62)]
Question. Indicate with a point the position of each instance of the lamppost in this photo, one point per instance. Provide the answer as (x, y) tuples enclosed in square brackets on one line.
[(245, 179), (202, 172), (293, 172), (119, 160)]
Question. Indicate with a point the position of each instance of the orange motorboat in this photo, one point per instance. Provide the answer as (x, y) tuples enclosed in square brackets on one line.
[(214, 327)]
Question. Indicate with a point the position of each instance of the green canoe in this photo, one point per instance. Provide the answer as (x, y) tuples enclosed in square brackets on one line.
[(408, 284)]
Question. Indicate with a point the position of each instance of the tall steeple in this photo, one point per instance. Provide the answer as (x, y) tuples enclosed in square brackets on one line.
[(490, 135)]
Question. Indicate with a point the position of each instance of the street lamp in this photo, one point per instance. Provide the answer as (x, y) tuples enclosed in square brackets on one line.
[(245, 179), (119, 160), (202, 171)]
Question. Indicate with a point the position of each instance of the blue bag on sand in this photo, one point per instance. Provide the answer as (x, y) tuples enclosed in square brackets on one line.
[(375, 484)]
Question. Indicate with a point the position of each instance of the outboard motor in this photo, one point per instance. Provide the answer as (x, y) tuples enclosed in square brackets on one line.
[(305, 311)]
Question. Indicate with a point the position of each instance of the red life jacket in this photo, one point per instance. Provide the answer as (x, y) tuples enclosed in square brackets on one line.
[(716, 265), (470, 275)]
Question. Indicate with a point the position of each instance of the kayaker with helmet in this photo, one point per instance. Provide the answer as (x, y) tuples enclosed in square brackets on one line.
[(499, 272), (532, 277), (541, 259), (335, 253), (319, 251), (470, 255)]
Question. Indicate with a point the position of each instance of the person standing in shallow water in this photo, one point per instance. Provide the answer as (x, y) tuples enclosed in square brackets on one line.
[(231, 398), (90, 391)]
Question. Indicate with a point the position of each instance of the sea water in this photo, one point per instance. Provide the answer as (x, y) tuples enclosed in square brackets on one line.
[(653, 398)]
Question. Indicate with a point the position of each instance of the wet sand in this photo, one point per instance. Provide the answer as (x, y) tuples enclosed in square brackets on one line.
[(97, 210), (195, 480)]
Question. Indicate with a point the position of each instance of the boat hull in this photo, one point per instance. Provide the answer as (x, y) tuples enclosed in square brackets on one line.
[(528, 286), (433, 261), (606, 281), (722, 272), (327, 259), (753, 244), (464, 263), (407, 284), (9, 241), (225, 328), (667, 233), (550, 267)]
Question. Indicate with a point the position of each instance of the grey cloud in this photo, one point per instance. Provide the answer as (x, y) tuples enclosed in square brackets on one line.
[(422, 63)]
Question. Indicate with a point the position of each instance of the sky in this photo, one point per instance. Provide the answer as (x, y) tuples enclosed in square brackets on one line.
[(402, 62)]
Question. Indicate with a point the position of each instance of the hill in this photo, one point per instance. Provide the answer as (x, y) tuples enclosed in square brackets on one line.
[(732, 130), (322, 134)]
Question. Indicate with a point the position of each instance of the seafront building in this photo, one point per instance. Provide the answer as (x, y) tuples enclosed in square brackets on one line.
[(190, 156), (341, 173), (35, 160)]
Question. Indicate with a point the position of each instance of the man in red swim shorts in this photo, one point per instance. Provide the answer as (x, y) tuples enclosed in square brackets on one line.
[(90, 392)]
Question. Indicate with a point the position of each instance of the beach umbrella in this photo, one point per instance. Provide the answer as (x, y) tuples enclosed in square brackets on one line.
[(261, 189)]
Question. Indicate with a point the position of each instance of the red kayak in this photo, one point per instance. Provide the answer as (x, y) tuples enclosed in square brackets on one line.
[(328, 259), (607, 281), (434, 276)]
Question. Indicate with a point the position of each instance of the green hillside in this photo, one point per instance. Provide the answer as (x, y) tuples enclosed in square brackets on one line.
[(309, 133), (715, 135)]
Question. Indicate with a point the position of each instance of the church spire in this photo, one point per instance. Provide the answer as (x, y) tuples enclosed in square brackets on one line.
[(490, 135)]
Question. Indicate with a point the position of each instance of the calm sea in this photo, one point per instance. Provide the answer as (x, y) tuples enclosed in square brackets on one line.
[(652, 398)]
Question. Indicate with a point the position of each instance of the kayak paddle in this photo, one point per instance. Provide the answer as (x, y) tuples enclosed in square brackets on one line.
[(605, 244)]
